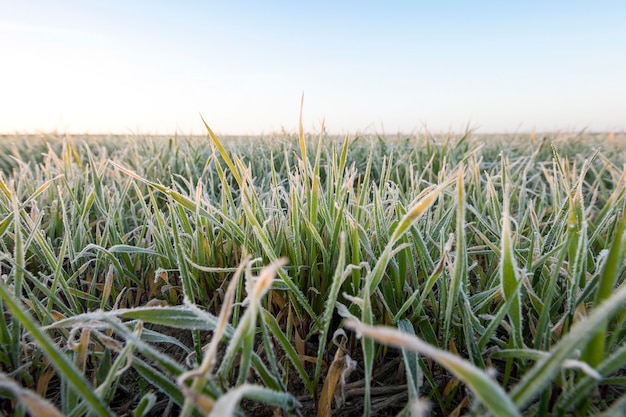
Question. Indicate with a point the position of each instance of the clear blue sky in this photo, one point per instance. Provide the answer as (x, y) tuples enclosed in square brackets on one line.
[(373, 66)]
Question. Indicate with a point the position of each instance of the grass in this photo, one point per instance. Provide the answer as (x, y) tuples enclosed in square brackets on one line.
[(312, 275)]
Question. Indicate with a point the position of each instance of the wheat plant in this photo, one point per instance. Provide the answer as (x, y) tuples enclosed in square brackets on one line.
[(313, 275)]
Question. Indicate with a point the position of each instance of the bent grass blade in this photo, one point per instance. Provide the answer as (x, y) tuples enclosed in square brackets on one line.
[(226, 405), (486, 389), (35, 404)]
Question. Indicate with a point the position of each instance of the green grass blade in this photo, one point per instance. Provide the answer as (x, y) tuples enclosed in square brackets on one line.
[(617, 409), (132, 249), (411, 363), (612, 269), (223, 153), (509, 277), (329, 306), (226, 405), (181, 317), (18, 279), (67, 370), (289, 349), (145, 405), (295, 291), (459, 275), (582, 389), (540, 375), (185, 274), (157, 379), (427, 198), (482, 385), (372, 280)]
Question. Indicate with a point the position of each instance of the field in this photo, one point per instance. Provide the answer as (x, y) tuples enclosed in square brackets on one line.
[(312, 275)]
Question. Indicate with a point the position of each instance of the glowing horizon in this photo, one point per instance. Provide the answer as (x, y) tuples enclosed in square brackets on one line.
[(154, 68)]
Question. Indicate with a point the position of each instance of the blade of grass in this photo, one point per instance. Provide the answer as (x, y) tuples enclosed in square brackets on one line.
[(329, 307), (459, 275), (509, 276), (18, 279), (67, 370), (594, 352), (226, 405), (289, 349), (35, 404), (540, 375), (414, 376), (243, 339), (223, 153), (482, 385)]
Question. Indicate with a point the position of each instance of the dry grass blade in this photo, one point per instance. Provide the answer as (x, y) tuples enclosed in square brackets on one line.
[(243, 340), (425, 200), (36, 405), (210, 355), (301, 139), (340, 368)]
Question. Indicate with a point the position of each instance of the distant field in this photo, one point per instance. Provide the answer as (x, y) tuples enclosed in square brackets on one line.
[(313, 275)]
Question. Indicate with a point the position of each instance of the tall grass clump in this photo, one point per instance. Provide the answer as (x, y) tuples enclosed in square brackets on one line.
[(313, 275)]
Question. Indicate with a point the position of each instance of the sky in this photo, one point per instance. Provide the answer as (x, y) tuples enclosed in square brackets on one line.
[(156, 67)]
